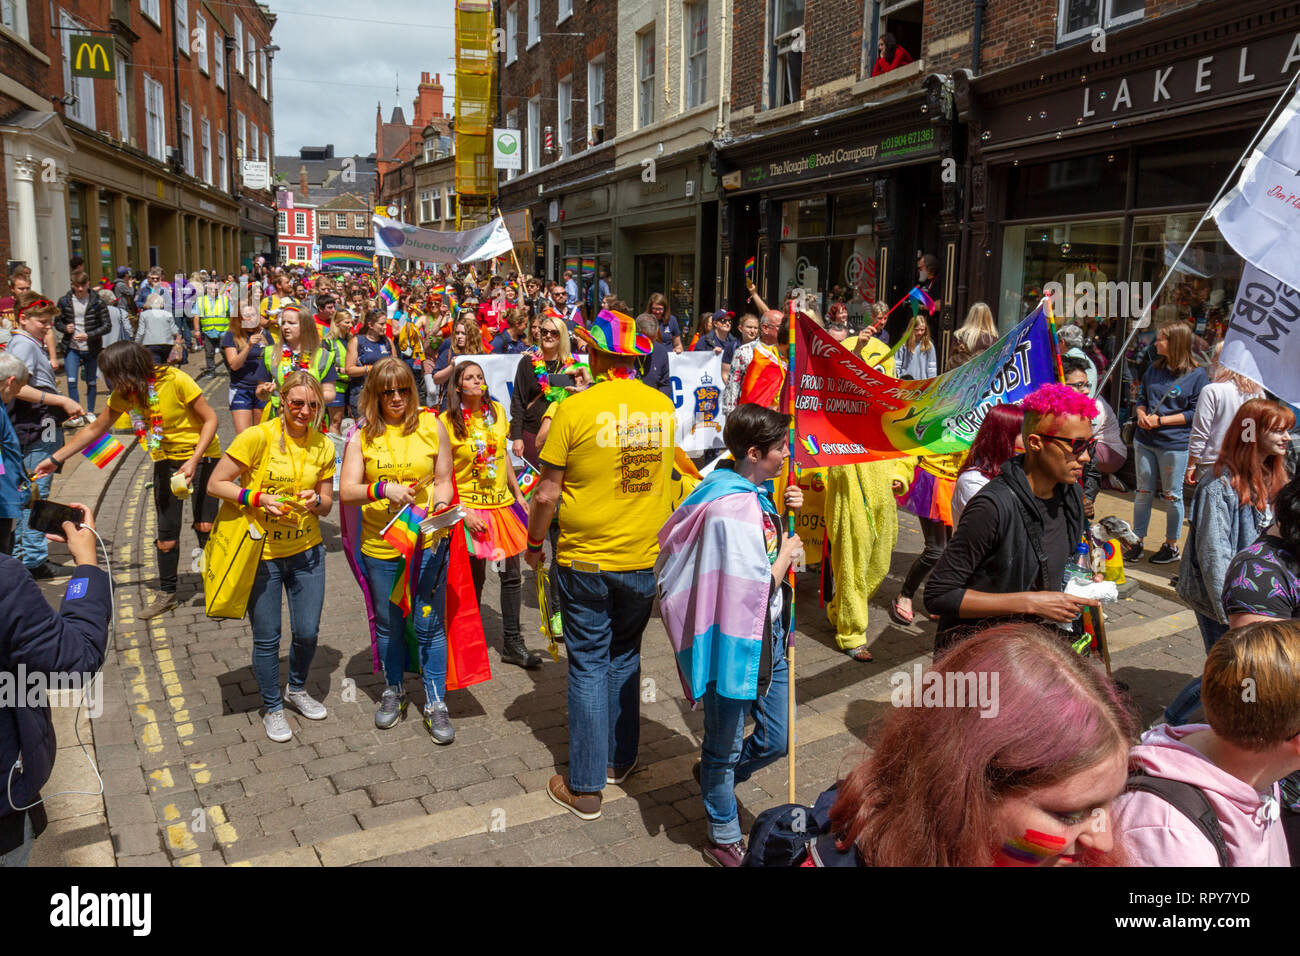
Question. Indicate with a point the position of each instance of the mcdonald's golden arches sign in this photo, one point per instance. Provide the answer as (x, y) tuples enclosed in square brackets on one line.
[(92, 56)]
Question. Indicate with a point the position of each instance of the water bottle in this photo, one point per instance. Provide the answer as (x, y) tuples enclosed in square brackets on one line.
[(1080, 567)]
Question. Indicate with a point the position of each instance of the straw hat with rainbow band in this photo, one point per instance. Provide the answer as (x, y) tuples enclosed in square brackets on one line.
[(615, 333)]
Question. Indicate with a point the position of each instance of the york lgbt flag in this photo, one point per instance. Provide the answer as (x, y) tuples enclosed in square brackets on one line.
[(847, 412)]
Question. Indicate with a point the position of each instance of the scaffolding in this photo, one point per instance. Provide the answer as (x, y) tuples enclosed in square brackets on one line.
[(476, 87)]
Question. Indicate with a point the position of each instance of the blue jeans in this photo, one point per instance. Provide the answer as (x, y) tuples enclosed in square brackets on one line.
[(1170, 465), (1189, 698), (88, 364), (30, 546), (184, 328), (302, 578), (428, 604), (725, 761), (605, 614), (20, 854)]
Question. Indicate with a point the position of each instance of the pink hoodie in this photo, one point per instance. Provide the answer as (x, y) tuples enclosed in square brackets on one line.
[(1153, 833)]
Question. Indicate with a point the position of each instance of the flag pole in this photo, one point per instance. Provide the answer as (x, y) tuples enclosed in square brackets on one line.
[(1143, 319), (789, 527)]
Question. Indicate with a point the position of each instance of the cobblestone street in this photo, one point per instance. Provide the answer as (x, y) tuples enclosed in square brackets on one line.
[(190, 778)]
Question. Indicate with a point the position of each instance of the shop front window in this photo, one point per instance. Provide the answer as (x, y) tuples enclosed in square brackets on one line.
[(829, 250), (1076, 185), (105, 237), (1080, 257), (77, 221), (1200, 292)]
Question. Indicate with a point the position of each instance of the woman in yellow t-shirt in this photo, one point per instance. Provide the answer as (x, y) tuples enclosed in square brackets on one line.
[(496, 514), (176, 424), (386, 466), (285, 469)]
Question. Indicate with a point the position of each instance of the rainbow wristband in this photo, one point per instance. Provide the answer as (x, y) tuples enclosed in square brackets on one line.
[(535, 545), (376, 492), (245, 498)]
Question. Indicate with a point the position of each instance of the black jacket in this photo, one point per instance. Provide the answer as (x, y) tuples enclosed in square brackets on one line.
[(653, 369), (98, 323), (1007, 561), (39, 641)]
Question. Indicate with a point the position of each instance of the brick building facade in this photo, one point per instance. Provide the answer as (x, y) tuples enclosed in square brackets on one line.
[(151, 174)]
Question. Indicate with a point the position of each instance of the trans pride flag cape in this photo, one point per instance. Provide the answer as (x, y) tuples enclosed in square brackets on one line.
[(714, 585), (467, 658)]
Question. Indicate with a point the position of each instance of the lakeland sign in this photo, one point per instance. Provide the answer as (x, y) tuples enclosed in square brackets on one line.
[(1207, 75), (848, 158)]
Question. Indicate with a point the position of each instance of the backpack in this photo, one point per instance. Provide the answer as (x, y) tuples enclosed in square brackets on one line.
[(1189, 800), (787, 835)]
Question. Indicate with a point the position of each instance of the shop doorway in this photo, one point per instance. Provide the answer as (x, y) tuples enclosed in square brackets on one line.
[(673, 274)]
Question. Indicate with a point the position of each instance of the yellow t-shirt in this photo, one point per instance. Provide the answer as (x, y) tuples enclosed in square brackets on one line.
[(615, 443), (401, 458), (482, 491), (181, 426), (302, 465)]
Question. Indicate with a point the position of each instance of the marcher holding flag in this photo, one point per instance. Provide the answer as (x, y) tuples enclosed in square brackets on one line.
[(285, 470), (723, 559), (178, 427), (385, 468), (757, 368), (496, 518)]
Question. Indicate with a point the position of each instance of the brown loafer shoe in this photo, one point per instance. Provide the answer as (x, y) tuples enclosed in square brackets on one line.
[(584, 806)]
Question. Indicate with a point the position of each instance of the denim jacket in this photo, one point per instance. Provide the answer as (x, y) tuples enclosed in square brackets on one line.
[(1221, 526)]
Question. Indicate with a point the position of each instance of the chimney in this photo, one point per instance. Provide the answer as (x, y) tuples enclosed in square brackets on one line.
[(302, 179), (428, 106)]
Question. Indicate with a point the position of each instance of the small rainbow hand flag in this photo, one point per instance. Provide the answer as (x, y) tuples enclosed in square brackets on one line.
[(389, 291), (404, 530), (749, 266), (104, 451), (921, 297), (528, 480)]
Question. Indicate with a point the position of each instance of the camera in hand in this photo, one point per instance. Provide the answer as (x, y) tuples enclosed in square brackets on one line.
[(48, 517)]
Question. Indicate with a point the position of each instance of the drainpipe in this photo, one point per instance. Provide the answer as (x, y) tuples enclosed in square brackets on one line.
[(976, 34), (724, 78), (875, 35)]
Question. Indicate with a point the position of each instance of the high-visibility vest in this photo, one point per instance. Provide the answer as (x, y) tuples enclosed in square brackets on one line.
[(318, 367), (214, 315)]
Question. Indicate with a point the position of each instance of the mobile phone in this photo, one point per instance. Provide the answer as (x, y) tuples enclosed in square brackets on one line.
[(560, 380), (48, 516)]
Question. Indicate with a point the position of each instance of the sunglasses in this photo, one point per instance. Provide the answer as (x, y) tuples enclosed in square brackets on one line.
[(298, 404), (550, 334), (1077, 446), (394, 392)]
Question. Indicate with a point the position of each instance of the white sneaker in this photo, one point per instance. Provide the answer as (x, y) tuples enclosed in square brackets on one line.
[(304, 704), (277, 726), (77, 422)]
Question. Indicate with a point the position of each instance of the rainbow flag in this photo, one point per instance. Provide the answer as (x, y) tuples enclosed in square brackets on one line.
[(404, 530), (104, 451), (403, 533), (389, 291), (344, 260), (922, 298), (438, 290), (749, 266), (528, 480), (588, 265), (763, 380)]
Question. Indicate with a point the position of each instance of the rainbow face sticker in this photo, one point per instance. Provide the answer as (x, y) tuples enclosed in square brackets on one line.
[(1030, 849)]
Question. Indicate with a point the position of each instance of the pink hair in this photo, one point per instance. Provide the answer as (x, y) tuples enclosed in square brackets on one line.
[(928, 794), (1059, 401)]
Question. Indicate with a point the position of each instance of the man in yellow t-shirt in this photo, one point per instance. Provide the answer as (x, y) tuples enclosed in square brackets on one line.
[(609, 455)]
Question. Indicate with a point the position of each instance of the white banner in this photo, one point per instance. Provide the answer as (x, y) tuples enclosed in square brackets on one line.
[(1263, 337), (401, 241), (696, 379), (1260, 216)]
